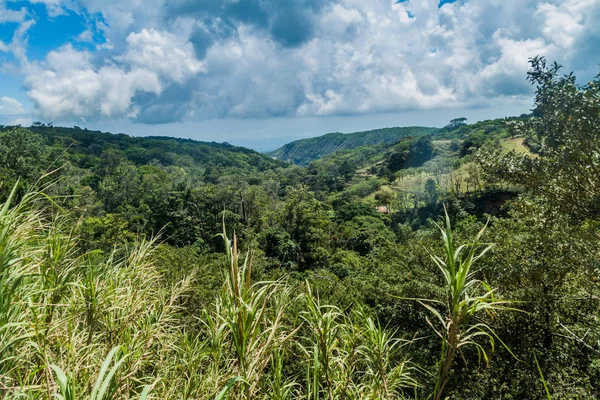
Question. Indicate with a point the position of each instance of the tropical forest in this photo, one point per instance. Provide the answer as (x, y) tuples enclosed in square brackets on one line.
[(459, 262)]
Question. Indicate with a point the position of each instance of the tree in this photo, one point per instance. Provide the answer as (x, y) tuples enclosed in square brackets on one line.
[(551, 239), (352, 209), (454, 145), (550, 277), (566, 123), (456, 123), (347, 169), (432, 190), (396, 161), (410, 153), (23, 155), (419, 152), (365, 233), (385, 196), (306, 221)]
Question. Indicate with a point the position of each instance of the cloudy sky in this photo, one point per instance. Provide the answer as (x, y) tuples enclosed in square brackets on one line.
[(262, 72)]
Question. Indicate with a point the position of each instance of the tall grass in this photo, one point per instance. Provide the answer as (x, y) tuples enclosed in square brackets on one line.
[(253, 317), (18, 229), (88, 325), (77, 325), (353, 358)]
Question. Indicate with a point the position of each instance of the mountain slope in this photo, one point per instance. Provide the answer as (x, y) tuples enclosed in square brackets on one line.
[(86, 147), (303, 151)]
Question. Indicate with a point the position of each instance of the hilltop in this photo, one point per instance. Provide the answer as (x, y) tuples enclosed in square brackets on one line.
[(86, 148), (302, 152)]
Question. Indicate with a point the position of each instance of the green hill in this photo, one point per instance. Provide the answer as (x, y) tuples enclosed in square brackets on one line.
[(303, 151), (86, 147)]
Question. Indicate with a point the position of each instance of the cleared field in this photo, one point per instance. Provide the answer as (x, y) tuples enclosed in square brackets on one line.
[(517, 144), (466, 178)]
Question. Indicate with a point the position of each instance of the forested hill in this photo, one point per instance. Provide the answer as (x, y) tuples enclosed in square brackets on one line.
[(303, 151), (86, 148)]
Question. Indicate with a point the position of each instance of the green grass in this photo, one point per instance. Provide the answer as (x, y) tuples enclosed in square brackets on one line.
[(516, 144)]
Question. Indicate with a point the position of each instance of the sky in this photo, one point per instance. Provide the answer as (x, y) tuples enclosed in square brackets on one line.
[(260, 73)]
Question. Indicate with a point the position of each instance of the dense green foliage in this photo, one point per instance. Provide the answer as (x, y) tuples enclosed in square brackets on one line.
[(337, 282), (303, 151)]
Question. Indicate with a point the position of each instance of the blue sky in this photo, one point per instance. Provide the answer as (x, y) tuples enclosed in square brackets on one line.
[(49, 31), (262, 72)]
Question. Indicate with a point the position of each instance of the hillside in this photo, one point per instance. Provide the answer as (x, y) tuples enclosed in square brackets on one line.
[(86, 148), (450, 145), (302, 152), (122, 186)]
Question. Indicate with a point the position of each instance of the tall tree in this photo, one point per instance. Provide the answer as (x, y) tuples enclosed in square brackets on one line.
[(566, 123)]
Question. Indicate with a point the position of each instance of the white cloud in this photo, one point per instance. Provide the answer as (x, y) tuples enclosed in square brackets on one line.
[(23, 121), (85, 36), (69, 85), (561, 25), (9, 106), (123, 16), (164, 53), (507, 74), (354, 56), (54, 7), (10, 15), (18, 45), (10, 68)]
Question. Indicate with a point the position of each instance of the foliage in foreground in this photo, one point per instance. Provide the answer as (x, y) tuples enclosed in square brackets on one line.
[(83, 325)]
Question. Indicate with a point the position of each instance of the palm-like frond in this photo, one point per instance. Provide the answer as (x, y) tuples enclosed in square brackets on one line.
[(466, 298)]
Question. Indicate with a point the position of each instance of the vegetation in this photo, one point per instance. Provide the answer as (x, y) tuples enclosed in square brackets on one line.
[(457, 263), (303, 151)]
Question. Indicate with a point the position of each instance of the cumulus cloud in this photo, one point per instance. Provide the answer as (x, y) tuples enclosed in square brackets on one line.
[(290, 23), (73, 84), (162, 53), (69, 85), (184, 59), (17, 45), (9, 106)]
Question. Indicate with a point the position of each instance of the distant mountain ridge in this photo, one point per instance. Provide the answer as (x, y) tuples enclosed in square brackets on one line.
[(303, 151)]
